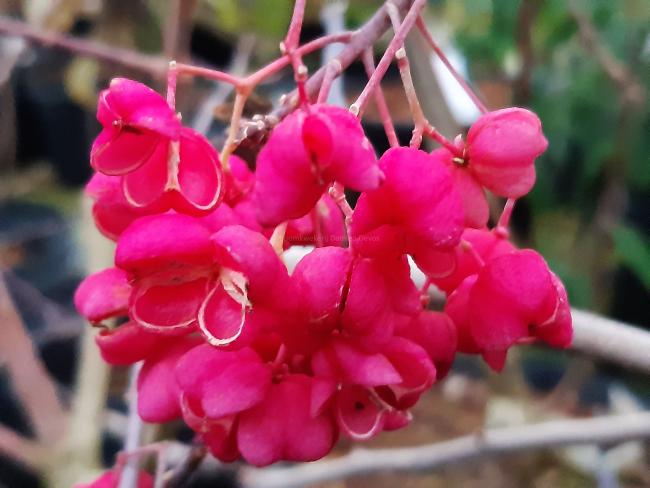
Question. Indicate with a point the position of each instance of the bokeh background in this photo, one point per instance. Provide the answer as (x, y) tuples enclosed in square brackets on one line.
[(583, 66)]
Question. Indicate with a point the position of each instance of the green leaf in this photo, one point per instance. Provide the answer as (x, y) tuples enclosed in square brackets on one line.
[(633, 251)]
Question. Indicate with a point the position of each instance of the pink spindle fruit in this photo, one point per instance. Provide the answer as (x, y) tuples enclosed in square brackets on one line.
[(306, 152), (135, 120), (269, 366), (416, 211)]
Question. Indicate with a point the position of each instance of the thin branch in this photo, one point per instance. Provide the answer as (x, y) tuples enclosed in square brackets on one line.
[(290, 45), (358, 42), (333, 70), (235, 123), (426, 83), (461, 81), (292, 39), (617, 342), (380, 100), (364, 38), (275, 66), (396, 43), (419, 120), (421, 123), (489, 444), (209, 73), (154, 65), (337, 192), (436, 135), (158, 65)]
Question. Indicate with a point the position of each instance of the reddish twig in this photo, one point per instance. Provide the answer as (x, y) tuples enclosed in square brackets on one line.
[(337, 192), (396, 43), (433, 133), (154, 65), (209, 73), (357, 43), (172, 79), (421, 125), (280, 63), (235, 123), (332, 71), (290, 46), (362, 39), (175, 33), (439, 52), (380, 100), (419, 120), (244, 86)]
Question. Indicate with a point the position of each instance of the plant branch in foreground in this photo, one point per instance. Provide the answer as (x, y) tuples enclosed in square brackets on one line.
[(489, 444)]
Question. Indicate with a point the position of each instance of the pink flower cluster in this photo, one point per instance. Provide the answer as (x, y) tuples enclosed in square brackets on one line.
[(266, 365)]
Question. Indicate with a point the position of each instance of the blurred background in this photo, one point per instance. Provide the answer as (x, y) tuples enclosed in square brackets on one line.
[(583, 66)]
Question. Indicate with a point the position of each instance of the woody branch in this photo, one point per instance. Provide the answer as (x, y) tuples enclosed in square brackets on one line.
[(488, 444)]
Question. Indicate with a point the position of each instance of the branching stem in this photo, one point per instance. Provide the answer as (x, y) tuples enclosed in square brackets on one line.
[(337, 192), (419, 120), (396, 43)]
